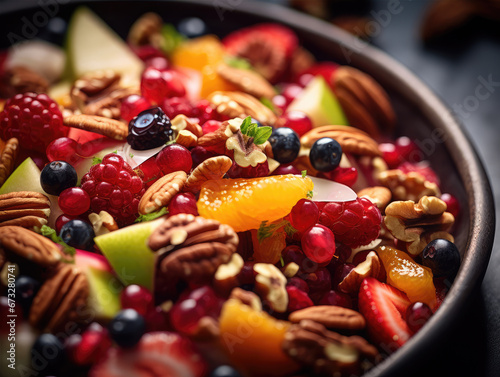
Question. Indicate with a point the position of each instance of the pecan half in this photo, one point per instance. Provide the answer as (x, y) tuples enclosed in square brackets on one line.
[(20, 79), (331, 316), (24, 208), (190, 247), (8, 158), (111, 128), (61, 298), (378, 195), (247, 81), (211, 168), (364, 101), (420, 223), (407, 186), (371, 266), (146, 31), (160, 193)]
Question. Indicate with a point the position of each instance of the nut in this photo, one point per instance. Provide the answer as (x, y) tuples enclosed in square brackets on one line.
[(160, 193), (60, 299), (409, 186), (290, 270), (211, 168), (24, 208), (186, 139), (418, 224), (102, 223), (378, 195), (111, 128), (226, 276), (246, 297), (371, 266), (8, 158), (270, 283), (247, 81), (327, 352), (239, 104), (364, 101), (352, 140), (330, 316), (216, 141), (241, 147), (182, 122), (207, 330), (15, 80), (192, 248), (146, 31)]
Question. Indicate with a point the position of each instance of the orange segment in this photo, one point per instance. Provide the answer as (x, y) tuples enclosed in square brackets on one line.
[(268, 250), (245, 203), (408, 276), (253, 340)]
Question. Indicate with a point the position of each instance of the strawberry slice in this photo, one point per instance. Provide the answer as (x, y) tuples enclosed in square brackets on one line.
[(384, 309), (158, 354)]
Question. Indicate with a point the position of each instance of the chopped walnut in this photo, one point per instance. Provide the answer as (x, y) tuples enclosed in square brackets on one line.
[(146, 31), (409, 186)]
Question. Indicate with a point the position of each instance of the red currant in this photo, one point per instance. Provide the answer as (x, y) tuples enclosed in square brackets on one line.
[(176, 106), (319, 283), (280, 102), (138, 298), (184, 202), (297, 121), (299, 283), (174, 157), (337, 298), (89, 347), (390, 155), (157, 85), (158, 62), (417, 315), (210, 126), (297, 299), (304, 215), (291, 91), (74, 201), (133, 105), (452, 203), (203, 111), (286, 169), (408, 150), (200, 154), (346, 176), (63, 149), (318, 244)]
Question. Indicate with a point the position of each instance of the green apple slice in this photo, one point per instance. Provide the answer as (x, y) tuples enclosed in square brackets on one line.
[(320, 104), (128, 253), (93, 46)]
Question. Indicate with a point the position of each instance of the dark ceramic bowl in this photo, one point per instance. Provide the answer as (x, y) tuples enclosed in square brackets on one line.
[(422, 116)]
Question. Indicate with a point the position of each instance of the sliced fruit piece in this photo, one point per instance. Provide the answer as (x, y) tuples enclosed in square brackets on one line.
[(408, 276), (128, 253), (319, 103), (384, 309), (25, 178), (157, 354), (329, 191), (268, 249), (85, 164), (245, 203), (93, 46), (105, 288), (252, 340)]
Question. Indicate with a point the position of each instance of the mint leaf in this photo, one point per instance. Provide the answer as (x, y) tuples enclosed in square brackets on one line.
[(266, 230), (252, 130), (171, 38), (267, 103), (131, 155), (245, 124), (262, 134), (50, 233), (96, 160), (304, 173), (236, 62), (151, 216)]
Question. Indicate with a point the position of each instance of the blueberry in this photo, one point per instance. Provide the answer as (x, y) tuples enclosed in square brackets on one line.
[(192, 27), (47, 355), (78, 233), (150, 129), (26, 289), (325, 154), (286, 144), (442, 257), (57, 177), (225, 371), (127, 328)]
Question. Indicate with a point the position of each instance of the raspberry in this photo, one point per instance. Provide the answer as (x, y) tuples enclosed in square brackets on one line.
[(115, 188), (34, 119), (354, 223)]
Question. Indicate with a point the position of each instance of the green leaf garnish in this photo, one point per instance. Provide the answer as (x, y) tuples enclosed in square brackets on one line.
[(252, 130), (310, 194), (262, 134), (171, 38), (170, 142), (266, 230), (131, 155), (245, 124), (96, 160), (267, 103), (50, 233), (115, 151), (152, 216), (304, 173), (282, 261), (236, 62)]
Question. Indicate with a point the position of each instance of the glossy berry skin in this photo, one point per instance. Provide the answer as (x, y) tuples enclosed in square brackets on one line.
[(346, 176), (210, 126), (78, 234), (89, 347), (200, 154), (319, 282), (304, 215), (260, 170), (297, 299), (132, 106), (176, 106), (442, 257), (174, 157), (453, 206), (156, 85), (63, 219), (285, 143), (138, 298), (286, 169), (417, 316), (47, 355), (26, 289), (225, 371), (183, 202), (127, 328), (74, 201), (34, 119), (150, 129), (57, 177), (298, 283), (297, 121), (63, 149), (337, 298), (318, 244), (325, 154)]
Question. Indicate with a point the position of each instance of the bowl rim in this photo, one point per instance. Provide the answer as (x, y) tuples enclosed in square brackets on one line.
[(470, 169)]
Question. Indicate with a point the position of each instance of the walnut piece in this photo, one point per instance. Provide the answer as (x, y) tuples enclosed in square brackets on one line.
[(420, 223), (409, 186), (20, 79), (146, 31), (270, 283)]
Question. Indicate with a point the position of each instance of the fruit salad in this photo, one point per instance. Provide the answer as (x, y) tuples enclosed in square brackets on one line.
[(177, 204)]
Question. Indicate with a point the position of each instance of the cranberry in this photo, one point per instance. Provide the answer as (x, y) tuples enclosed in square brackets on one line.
[(155, 320), (299, 283), (132, 106), (158, 62), (174, 157), (203, 111), (291, 91), (260, 170), (286, 169), (74, 201), (210, 126), (318, 243), (200, 154), (337, 298), (346, 176), (184, 202), (408, 150), (156, 85), (452, 203), (147, 52), (63, 149), (293, 253), (297, 121), (176, 106), (280, 102), (319, 283), (342, 251), (417, 315), (390, 154), (89, 347), (304, 215), (199, 303), (138, 298), (341, 272), (247, 274), (297, 299)]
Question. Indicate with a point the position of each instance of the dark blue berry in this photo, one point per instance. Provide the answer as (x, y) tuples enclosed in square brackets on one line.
[(225, 371), (47, 355), (127, 328), (150, 129), (442, 257), (57, 177), (286, 144), (26, 289), (78, 233), (325, 154), (192, 27)]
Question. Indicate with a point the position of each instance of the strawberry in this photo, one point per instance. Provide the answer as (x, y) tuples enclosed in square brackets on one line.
[(158, 354), (384, 309)]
